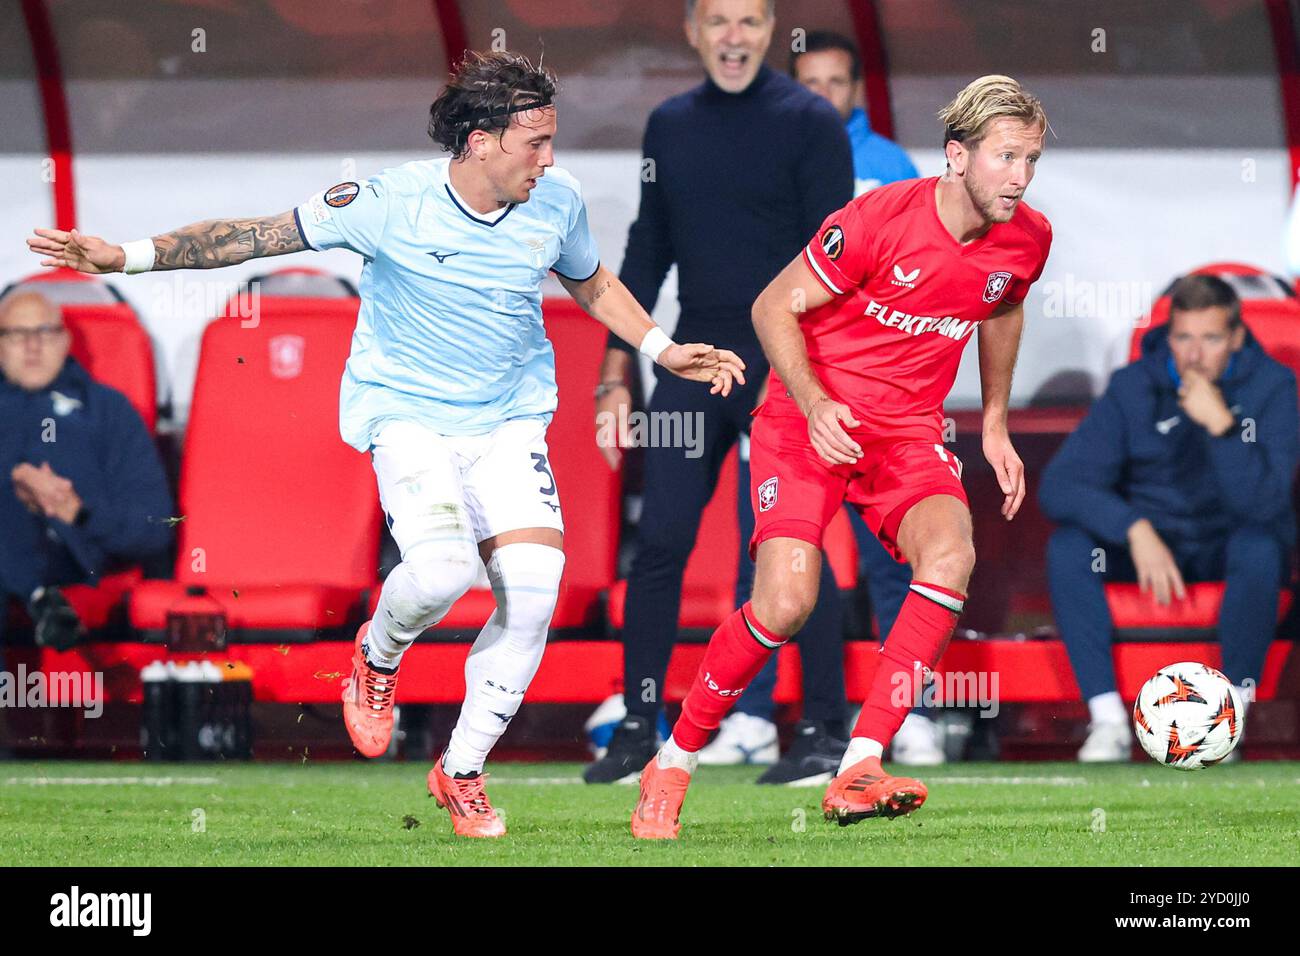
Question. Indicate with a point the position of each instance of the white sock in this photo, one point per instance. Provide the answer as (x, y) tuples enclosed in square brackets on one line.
[(417, 594), (671, 755), (377, 659), (1107, 708), (1247, 695), (860, 748), (526, 582)]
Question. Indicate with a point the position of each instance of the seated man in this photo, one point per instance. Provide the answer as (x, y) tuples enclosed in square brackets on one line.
[(85, 486), (1181, 471)]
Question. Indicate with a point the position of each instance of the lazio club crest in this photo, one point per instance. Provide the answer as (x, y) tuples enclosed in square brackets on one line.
[(996, 285)]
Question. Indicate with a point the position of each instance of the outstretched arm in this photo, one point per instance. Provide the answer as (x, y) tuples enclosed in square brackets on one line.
[(203, 245), (608, 301)]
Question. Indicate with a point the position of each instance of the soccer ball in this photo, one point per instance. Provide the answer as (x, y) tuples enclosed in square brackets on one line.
[(1188, 716)]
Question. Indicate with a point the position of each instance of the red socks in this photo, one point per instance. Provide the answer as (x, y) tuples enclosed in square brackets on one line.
[(915, 643), (737, 652)]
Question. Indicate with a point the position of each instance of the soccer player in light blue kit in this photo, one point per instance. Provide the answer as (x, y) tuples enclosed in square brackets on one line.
[(450, 383)]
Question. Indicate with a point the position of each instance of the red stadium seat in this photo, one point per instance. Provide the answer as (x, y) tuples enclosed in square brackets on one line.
[(589, 490), (1137, 616), (709, 584), (1272, 313), (115, 349), (281, 518)]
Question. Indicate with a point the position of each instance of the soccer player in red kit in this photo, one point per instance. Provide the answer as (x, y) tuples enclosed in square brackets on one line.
[(865, 331)]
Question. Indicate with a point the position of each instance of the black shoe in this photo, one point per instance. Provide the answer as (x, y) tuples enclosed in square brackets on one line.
[(57, 624), (630, 749), (813, 757)]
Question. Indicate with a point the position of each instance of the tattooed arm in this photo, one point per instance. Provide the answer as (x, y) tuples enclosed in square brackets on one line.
[(609, 302), (204, 245)]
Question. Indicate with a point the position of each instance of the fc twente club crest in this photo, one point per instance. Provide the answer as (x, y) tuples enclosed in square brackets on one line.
[(996, 285)]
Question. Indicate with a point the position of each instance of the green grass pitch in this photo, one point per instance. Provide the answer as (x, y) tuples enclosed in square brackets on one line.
[(118, 814)]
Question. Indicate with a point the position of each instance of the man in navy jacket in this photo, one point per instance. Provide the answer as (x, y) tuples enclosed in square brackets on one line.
[(1181, 471), (85, 487)]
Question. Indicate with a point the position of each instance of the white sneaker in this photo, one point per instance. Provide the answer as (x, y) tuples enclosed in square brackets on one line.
[(1107, 743), (741, 739), (918, 743)]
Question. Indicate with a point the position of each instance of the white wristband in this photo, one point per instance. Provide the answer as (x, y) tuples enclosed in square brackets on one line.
[(654, 343), (140, 256)]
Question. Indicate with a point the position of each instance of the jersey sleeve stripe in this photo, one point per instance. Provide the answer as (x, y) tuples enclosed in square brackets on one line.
[(571, 278), (820, 273), (301, 231)]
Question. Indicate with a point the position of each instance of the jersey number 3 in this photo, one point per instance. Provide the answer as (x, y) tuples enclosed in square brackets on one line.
[(539, 465)]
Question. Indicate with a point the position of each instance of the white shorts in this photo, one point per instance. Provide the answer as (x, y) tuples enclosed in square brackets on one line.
[(433, 485)]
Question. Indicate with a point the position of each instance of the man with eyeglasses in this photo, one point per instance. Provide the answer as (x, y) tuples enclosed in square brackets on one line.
[(85, 488)]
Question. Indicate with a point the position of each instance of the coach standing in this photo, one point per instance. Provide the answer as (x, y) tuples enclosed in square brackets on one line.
[(738, 173)]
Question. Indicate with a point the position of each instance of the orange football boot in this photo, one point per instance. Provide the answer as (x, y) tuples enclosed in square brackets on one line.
[(660, 804), (368, 702), (467, 802), (865, 790)]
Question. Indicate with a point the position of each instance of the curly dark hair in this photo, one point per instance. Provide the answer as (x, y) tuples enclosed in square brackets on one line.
[(484, 91)]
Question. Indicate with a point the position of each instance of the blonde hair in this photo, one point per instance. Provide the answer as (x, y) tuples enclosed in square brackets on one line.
[(967, 117)]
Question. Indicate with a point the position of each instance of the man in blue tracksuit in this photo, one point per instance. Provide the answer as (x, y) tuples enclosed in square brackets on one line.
[(828, 64), (1181, 471), (83, 486)]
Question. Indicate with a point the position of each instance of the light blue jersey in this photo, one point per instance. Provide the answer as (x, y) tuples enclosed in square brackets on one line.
[(450, 333)]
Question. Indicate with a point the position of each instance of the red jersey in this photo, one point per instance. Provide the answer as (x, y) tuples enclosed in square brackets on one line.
[(908, 297)]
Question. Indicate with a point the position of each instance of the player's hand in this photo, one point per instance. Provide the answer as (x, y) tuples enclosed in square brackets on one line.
[(826, 421), (1203, 403), (703, 363), (612, 411), (1157, 571), (1009, 469), (72, 250)]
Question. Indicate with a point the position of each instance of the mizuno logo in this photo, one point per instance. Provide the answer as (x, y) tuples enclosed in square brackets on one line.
[(1166, 426), (907, 279), (443, 257)]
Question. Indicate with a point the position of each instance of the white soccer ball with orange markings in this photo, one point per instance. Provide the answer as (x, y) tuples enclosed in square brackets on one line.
[(1188, 716)]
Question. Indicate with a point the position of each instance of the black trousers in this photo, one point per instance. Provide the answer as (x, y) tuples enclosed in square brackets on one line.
[(678, 484)]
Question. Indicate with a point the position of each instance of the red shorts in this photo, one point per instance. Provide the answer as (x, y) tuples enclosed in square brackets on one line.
[(795, 493)]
